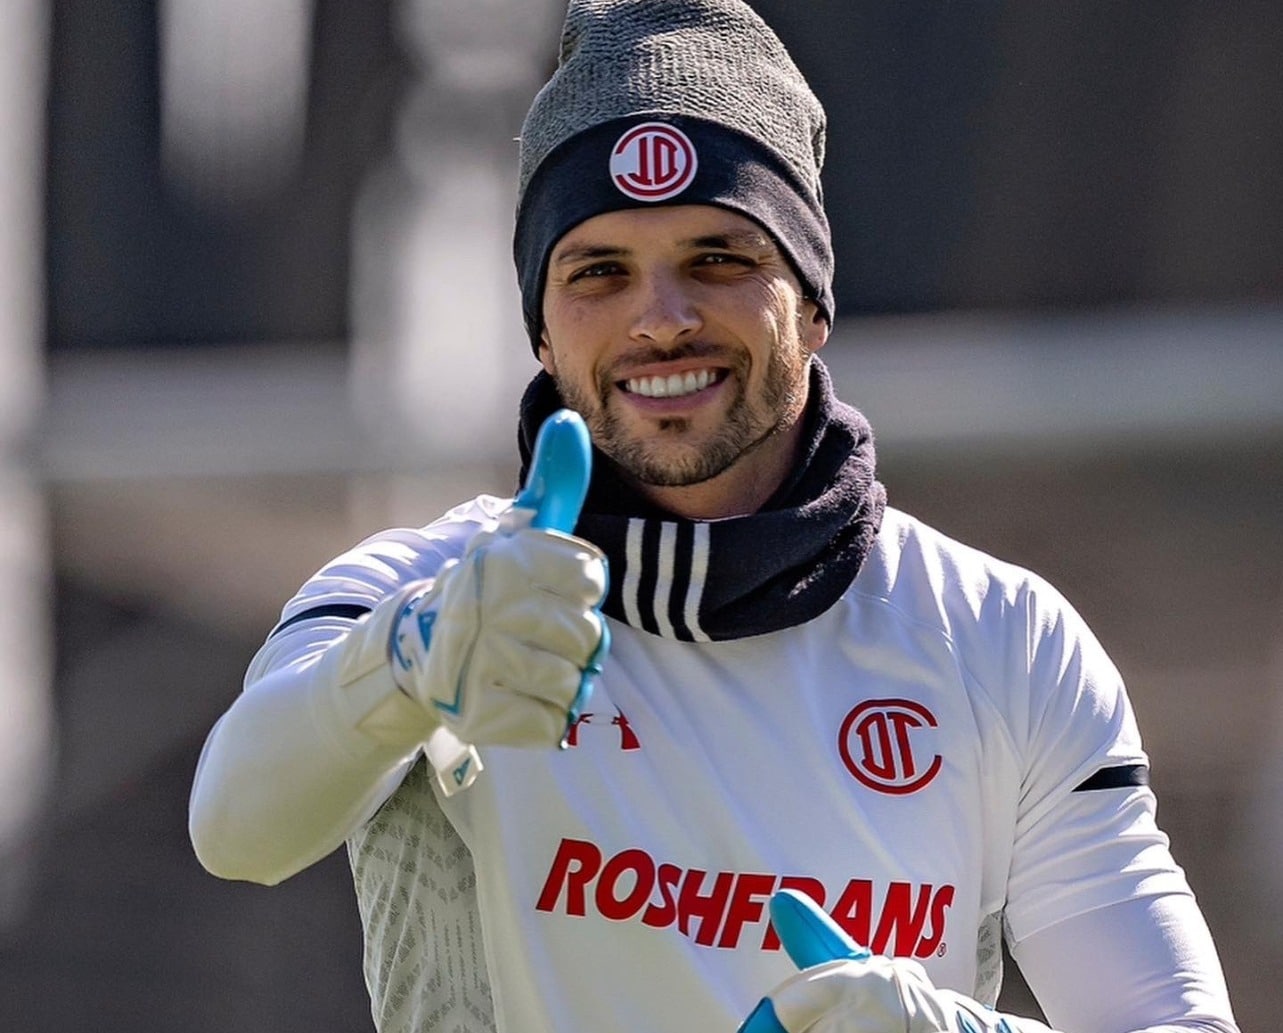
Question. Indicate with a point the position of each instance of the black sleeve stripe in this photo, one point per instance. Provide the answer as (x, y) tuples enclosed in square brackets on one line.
[(1116, 778), (350, 611)]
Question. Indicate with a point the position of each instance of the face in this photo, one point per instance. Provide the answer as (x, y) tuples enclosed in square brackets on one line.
[(681, 336)]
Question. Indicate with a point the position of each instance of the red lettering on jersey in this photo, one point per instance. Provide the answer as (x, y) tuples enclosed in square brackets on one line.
[(854, 910), (909, 921), (664, 913), (571, 853), (639, 865), (899, 921), (748, 900), (939, 905), (707, 908)]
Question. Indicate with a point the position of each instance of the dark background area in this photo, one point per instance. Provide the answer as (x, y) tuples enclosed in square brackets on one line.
[(980, 156)]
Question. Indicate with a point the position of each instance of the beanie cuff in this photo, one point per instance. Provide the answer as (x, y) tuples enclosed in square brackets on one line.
[(733, 171)]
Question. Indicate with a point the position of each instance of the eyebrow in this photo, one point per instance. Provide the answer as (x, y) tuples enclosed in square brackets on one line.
[(730, 241), (582, 252), (735, 239)]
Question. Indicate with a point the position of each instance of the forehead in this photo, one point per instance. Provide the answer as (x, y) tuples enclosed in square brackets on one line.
[(671, 226)]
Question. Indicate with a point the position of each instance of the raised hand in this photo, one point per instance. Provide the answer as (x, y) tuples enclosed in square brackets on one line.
[(504, 644)]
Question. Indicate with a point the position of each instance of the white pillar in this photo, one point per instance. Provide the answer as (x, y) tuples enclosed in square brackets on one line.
[(26, 709), (233, 96), (439, 353)]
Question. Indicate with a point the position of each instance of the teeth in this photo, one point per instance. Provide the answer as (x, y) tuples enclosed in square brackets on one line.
[(672, 385)]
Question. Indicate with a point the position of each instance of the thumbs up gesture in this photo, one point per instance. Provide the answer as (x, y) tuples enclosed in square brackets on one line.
[(503, 644), (841, 988)]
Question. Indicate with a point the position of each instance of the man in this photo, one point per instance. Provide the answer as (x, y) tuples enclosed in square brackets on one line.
[(805, 689)]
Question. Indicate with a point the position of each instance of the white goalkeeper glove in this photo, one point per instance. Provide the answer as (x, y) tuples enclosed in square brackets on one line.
[(842, 989), (502, 645)]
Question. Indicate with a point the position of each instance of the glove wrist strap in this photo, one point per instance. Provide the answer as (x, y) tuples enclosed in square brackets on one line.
[(367, 694)]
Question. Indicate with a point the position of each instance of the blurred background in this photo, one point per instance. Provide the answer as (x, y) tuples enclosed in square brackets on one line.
[(256, 303)]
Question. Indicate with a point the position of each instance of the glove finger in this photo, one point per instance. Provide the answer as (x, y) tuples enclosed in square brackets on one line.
[(556, 563), (552, 626), (808, 934), (762, 1019), (513, 721), (840, 996), (515, 669)]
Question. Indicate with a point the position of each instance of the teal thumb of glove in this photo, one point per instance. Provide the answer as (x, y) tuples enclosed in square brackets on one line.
[(841, 988), (810, 937)]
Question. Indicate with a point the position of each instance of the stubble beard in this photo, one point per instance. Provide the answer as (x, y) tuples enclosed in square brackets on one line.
[(662, 459)]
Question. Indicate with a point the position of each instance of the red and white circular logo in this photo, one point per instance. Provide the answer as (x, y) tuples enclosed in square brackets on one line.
[(653, 162), (881, 743)]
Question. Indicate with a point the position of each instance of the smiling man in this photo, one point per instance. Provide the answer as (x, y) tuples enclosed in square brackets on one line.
[(680, 334), (762, 677)]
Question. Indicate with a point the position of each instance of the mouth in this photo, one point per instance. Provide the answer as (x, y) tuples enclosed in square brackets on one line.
[(673, 385)]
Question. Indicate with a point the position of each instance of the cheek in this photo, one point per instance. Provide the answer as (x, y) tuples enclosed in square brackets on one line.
[(546, 357), (569, 365), (575, 336), (781, 321), (567, 312), (568, 333)]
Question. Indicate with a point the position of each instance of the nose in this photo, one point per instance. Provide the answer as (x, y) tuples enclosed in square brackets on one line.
[(666, 311)]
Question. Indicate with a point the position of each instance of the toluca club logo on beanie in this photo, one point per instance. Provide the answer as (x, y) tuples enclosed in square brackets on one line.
[(653, 162)]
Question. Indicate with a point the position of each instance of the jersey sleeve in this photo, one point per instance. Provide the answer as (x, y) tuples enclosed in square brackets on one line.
[(352, 584), (1086, 836), (1152, 968), (321, 735), (1094, 897)]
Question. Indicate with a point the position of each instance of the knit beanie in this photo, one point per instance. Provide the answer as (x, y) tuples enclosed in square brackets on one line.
[(672, 102)]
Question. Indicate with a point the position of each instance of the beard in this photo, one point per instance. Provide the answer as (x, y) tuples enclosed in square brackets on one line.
[(667, 456)]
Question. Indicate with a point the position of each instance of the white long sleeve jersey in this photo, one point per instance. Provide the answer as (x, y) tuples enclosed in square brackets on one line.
[(944, 757)]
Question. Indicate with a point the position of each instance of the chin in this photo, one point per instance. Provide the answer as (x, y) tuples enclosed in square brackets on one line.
[(675, 466)]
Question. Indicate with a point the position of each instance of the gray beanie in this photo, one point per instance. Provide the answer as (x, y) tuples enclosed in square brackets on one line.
[(672, 102)]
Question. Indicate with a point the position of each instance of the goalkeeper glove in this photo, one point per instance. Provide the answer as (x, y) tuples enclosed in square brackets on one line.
[(842, 989), (502, 645)]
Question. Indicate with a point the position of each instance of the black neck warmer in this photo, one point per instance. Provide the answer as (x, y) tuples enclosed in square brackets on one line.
[(723, 579)]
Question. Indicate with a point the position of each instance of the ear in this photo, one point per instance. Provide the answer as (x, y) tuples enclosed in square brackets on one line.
[(545, 354), (815, 326)]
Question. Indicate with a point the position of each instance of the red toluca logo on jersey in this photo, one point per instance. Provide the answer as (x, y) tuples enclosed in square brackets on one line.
[(883, 744), (653, 162), (721, 909)]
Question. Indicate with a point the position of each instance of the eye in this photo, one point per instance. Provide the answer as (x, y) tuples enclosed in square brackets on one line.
[(597, 270), (715, 258)]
